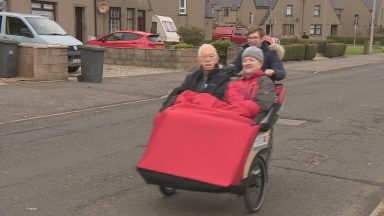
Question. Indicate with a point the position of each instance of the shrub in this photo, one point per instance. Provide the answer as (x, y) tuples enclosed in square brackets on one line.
[(222, 47), (191, 35), (288, 41), (182, 46), (348, 39), (294, 52), (335, 49), (311, 51)]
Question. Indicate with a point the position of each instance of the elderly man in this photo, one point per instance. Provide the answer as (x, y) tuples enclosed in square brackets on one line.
[(207, 79)]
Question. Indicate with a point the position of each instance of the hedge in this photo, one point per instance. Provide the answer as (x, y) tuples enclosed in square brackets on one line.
[(335, 49), (311, 51), (294, 52)]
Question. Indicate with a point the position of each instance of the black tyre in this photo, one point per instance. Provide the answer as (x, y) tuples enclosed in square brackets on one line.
[(167, 191), (255, 187)]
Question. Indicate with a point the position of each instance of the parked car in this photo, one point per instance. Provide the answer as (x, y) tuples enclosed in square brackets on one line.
[(28, 28), (235, 35), (129, 39)]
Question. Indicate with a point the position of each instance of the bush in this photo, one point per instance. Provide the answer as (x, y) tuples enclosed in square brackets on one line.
[(288, 41), (222, 47), (191, 35), (335, 49), (294, 52), (311, 51), (182, 46), (348, 39)]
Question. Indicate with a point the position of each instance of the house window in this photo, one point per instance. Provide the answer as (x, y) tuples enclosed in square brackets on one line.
[(46, 9), (288, 29), (130, 18), (114, 19), (251, 18), (315, 29), (141, 20), (289, 10), (316, 10), (182, 6), (1, 20), (226, 12)]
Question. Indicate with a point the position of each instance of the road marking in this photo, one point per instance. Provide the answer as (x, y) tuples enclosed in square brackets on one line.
[(290, 122), (82, 110), (379, 211)]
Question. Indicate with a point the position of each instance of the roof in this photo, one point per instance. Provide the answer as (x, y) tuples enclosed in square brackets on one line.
[(337, 4), (265, 3)]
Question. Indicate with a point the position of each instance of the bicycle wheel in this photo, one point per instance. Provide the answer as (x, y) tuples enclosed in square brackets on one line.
[(255, 187), (167, 191)]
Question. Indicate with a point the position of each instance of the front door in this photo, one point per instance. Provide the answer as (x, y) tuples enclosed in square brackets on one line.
[(79, 22), (333, 30)]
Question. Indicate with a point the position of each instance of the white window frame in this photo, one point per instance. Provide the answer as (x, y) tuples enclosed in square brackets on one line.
[(182, 6), (316, 10), (289, 10), (316, 29)]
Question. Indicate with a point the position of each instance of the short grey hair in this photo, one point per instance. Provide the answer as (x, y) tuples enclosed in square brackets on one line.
[(207, 46)]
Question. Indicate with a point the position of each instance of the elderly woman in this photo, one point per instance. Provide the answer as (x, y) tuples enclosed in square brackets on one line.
[(254, 91)]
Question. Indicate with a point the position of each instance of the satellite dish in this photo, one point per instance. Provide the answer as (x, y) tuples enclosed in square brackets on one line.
[(103, 7), (3, 5)]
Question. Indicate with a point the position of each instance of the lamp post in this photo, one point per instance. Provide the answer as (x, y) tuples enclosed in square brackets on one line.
[(355, 22), (372, 26), (325, 10)]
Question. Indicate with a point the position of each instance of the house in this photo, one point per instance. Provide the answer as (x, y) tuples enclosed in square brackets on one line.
[(290, 18), (356, 20)]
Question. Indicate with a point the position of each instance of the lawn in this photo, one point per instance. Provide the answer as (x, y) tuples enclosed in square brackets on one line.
[(359, 49)]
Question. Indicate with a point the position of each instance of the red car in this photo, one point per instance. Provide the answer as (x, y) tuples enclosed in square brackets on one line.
[(129, 39)]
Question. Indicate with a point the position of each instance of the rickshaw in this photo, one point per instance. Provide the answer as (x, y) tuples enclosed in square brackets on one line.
[(248, 179)]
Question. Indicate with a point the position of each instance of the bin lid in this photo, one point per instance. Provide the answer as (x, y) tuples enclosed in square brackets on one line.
[(92, 48), (8, 41)]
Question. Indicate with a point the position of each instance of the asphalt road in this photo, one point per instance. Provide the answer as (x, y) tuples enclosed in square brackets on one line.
[(59, 157)]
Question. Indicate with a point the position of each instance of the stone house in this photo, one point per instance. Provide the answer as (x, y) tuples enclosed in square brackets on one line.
[(290, 18), (358, 16)]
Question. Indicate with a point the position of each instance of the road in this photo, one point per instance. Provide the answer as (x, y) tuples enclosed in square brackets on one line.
[(65, 159)]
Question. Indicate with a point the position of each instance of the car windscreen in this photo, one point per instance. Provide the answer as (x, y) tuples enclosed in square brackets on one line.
[(154, 38), (44, 26)]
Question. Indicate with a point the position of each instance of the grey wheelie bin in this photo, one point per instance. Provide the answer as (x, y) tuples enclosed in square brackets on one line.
[(8, 58), (92, 62)]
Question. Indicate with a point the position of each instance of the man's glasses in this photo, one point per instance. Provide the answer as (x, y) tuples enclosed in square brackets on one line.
[(208, 56)]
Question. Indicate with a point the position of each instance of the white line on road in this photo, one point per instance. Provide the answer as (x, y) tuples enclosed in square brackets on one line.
[(82, 110)]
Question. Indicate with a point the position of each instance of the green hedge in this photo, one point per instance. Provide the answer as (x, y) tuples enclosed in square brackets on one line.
[(182, 46), (359, 40), (294, 52), (191, 35), (311, 51), (335, 49), (222, 47)]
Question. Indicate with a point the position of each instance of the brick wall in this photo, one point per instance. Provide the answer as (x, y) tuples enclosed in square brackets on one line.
[(162, 58), (42, 62)]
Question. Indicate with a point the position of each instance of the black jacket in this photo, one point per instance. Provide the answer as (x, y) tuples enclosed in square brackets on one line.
[(214, 83), (271, 61)]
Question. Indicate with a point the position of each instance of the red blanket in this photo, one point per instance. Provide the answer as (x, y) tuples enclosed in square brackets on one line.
[(200, 138)]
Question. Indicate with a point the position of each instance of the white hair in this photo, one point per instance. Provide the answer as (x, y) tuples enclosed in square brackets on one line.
[(207, 46)]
